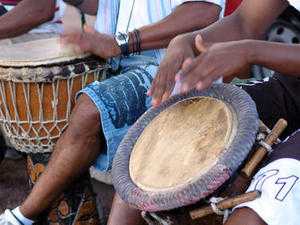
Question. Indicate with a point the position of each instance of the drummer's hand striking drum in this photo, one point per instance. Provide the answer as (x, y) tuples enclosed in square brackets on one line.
[(184, 150), (38, 84)]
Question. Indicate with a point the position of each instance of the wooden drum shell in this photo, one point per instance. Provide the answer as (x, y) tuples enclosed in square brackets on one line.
[(35, 113)]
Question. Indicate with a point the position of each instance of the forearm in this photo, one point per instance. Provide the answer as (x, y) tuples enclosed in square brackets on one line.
[(185, 18), (230, 28), (86, 6), (244, 23), (283, 58), (25, 16), (89, 7)]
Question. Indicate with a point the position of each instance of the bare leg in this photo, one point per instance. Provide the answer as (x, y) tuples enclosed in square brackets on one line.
[(120, 211), (244, 216), (74, 152)]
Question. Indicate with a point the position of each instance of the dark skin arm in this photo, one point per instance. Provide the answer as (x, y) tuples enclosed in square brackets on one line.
[(88, 6), (27, 15), (154, 36), (250, 21), (182, 20), (283, 58), (229, 59)]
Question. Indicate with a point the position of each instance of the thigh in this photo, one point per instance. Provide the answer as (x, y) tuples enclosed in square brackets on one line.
[(120, 100)]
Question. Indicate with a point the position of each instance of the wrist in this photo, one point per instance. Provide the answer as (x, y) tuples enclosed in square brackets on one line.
[(251, 51), (122, 41), (134, 42), (116, 50), (186, 40)]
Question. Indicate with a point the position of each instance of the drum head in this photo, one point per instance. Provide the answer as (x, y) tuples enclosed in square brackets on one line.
[(192, 134), (37, 53), (185, 149)]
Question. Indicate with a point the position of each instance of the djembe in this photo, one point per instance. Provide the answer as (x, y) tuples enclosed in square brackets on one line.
[(184, 152), (38, 84)]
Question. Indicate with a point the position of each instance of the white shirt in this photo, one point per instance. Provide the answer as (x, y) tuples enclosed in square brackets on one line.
[(126, 15), (295, 3)]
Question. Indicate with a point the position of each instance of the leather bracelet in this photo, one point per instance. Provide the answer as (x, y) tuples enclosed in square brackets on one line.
[(132, 42), (138, 41)]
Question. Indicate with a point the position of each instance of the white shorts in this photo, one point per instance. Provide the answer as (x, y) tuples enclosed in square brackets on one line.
[(279, 183)]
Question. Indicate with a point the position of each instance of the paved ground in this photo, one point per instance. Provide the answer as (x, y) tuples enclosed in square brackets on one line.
[(14, 188), (13, 177), (13, 183)]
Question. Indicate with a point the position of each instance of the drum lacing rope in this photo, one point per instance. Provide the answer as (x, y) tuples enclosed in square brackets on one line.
[(266, 146), (25, 135), (260, 139), (213, 204)]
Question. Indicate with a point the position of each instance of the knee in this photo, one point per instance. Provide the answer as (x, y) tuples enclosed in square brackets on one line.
[(85, 117)]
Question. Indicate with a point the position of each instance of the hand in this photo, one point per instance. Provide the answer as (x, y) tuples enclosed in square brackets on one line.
[(90, 41), (218, 60), (180, 48)]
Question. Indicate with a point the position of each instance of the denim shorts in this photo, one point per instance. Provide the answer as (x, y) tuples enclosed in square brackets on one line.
[(121, 100)]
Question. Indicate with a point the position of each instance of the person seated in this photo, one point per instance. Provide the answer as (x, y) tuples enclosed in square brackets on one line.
[(201, 57), (25, 20), (105, 110)]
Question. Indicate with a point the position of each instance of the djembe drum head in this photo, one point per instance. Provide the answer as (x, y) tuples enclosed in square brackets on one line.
[(38, 84), (198, 130), (37, 53), (184, 150)]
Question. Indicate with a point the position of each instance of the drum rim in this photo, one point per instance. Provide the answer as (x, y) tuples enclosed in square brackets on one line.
[(25, 62), (49, 62), (227, 164)]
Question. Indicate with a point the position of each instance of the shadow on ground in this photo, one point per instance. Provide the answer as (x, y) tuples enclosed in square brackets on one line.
[(14, 187), (13, 183)]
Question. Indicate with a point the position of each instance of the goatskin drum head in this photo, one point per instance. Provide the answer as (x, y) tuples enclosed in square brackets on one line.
[(182, 143), (37, 53), (185, 149)]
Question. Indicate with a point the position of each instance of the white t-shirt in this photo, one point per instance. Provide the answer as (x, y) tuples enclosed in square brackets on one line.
[(295, 3), (126, 15), (53, 26)]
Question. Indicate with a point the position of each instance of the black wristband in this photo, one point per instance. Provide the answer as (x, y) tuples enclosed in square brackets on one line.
[(74, 2)]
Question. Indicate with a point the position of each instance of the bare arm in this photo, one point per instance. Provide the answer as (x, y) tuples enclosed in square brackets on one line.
[(87, 6), (283, 58), (25, 16), (185, 18), (249, 21), (228, 58)]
